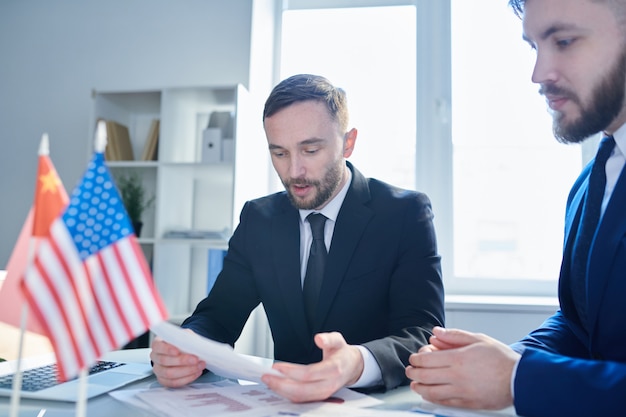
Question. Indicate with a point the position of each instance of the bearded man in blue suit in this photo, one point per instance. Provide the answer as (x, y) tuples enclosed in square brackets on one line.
[(575, 363)]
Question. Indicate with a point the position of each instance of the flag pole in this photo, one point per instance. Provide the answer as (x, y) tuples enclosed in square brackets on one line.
[(44, 149), (81, 403), (17, 376), (101, 137)]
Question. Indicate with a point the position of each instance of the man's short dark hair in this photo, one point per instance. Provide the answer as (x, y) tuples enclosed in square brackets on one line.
[(304, 87)]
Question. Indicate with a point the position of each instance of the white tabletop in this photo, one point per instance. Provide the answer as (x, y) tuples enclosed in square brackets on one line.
[(401, 398)]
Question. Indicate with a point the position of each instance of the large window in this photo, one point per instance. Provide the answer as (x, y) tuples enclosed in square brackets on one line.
[(370, 53), (511, 177), (465, 124)]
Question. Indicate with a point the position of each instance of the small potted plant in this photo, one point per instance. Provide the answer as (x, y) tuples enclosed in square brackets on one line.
[(134, 198)]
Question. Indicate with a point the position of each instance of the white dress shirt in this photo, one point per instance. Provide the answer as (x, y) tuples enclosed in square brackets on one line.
[(372, 374)]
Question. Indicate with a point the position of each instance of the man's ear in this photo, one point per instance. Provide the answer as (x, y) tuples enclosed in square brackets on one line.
[(349, 142)]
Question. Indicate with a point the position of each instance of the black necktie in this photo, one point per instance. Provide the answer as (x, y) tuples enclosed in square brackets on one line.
[(315, 265), (588, 225)]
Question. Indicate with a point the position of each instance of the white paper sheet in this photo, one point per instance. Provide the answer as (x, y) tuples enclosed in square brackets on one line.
[(220, 399), (220, 358)]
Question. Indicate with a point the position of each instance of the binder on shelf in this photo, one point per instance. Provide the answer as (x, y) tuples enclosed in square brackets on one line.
[(110, 152), (122, 139), (150, 148), (211, 145), (225, 121), (118, 142)]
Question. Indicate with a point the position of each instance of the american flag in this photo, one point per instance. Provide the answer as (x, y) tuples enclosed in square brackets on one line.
[(89, 283)]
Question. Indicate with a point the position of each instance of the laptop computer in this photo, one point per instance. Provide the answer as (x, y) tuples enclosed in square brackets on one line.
[(39, 378)]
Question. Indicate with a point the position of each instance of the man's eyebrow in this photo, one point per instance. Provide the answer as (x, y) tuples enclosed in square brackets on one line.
[(311, 141), (557, 27), (305, 142)]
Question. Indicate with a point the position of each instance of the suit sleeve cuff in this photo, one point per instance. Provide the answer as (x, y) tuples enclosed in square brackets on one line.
[(372, 375)]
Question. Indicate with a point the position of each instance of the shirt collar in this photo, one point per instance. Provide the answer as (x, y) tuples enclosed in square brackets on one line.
[(331, 210), (620, 138)]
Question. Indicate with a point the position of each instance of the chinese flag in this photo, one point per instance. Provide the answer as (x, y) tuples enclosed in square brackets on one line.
[(50, 199)]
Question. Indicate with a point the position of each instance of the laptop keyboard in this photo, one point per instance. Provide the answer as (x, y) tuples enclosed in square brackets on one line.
[(44, 377)]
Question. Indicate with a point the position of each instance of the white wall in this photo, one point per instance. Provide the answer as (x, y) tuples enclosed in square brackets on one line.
[(507, 319), (53, 53)]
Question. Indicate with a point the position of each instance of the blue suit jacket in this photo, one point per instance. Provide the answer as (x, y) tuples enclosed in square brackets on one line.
[(382, 286), (574, 368)]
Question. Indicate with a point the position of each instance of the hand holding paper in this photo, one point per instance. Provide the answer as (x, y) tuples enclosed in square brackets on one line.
[(220, 358)]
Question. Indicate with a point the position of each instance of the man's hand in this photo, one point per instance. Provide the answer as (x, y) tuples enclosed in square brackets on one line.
[(172, 367), (341, 365), (462, 369)]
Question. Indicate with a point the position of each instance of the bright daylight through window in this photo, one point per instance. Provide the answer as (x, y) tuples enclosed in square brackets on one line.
[(510, 177), (370, 53)]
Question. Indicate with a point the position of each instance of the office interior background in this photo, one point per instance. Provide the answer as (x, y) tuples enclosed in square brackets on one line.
[(439, 90)]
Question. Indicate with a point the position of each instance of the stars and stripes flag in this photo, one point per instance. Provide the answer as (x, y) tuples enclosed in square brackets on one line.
[(89, 283)]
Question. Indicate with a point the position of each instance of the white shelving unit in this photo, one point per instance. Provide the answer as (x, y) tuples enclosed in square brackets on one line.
[(190, 195)]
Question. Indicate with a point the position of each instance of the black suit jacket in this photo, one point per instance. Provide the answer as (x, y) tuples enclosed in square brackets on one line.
[(382, 286)]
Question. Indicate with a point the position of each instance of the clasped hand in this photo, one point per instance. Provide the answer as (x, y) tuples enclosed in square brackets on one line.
[(342, 365), (463, 369)]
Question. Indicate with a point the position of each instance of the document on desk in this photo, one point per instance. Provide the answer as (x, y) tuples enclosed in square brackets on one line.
[(220, 358), (225, 398)]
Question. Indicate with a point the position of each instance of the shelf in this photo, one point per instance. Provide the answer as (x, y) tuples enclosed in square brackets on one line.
[(189, 194), (132, 164)]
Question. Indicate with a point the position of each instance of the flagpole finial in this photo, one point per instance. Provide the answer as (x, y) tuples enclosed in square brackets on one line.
[(101, 137), (44, 145)]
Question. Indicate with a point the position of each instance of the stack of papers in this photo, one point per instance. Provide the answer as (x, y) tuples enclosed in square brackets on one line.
[(227, 398)]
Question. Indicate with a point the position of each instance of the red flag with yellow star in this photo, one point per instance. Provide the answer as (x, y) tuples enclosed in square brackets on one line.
[(50, 199)]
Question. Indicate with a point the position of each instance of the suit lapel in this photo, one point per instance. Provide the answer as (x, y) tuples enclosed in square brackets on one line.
[(572, 217), (572, 221), (610, 233), (351, 222)]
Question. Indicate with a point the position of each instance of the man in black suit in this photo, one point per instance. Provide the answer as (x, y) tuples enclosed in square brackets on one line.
[(381, 291)]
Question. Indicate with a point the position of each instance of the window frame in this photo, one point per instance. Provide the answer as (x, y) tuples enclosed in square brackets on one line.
[(434, 148)]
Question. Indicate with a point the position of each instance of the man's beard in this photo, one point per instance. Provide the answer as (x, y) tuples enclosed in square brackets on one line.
[(325, 188), (606, 102)]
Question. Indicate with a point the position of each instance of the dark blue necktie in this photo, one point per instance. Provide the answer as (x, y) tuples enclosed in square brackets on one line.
[(588, 225), (315, 265)]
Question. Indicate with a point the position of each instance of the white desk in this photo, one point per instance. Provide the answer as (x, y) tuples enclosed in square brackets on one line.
[(105, 406)]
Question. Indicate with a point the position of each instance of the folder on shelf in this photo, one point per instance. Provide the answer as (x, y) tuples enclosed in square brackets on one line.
[(151, 146), (211, 145), (110, 152), (225, 121), (118, 142), (122, 140)]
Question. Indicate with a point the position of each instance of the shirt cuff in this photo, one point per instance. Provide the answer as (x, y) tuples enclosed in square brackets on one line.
[(372, 375), (513, 378)]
